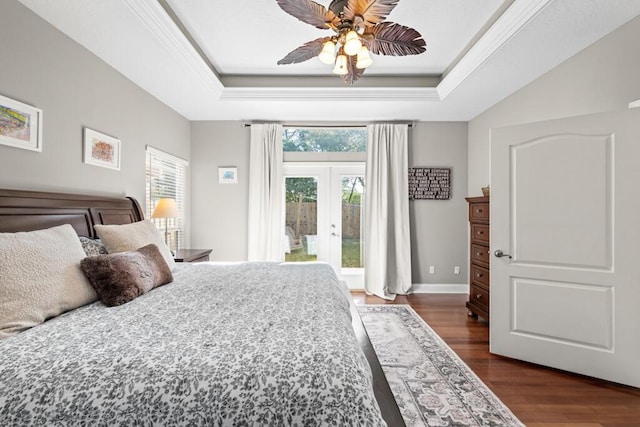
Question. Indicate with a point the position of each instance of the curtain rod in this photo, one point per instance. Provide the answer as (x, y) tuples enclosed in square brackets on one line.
[(247, 125)]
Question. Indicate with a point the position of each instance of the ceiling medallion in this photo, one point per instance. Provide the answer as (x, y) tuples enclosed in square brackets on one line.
[(359, 29)]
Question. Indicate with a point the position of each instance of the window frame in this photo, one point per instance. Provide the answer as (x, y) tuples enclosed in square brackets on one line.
[(164, 162)]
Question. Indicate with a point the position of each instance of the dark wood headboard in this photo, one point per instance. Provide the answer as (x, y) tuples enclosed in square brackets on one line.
[(31, 210)]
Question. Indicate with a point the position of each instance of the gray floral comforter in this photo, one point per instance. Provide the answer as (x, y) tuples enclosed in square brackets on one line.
[(247, 344)]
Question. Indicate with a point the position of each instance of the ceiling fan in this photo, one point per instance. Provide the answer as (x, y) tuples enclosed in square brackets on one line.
[(359, 27)]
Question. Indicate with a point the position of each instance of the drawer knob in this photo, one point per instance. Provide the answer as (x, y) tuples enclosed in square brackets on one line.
[(479, 296), (478, 274)]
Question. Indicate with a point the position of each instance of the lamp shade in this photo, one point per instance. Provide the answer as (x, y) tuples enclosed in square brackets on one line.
[(341, 65), (166, 208), (364, 60), (352, 43), (328, 52)]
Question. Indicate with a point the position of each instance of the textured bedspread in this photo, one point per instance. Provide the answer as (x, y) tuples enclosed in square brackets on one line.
[(244, 344)]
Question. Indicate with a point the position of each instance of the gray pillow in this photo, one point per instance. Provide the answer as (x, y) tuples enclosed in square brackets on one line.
[(92, 247), (119, 278)]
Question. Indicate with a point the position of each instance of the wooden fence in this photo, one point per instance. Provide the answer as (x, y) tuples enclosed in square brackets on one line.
[(303, 218)]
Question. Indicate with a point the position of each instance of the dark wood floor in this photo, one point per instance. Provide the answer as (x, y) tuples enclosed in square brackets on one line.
[(538, 396)]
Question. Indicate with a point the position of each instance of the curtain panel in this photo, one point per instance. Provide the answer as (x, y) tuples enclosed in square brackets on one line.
[(266, 219), (387, 233)]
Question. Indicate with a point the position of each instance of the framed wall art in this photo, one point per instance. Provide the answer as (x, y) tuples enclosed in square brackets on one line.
[(101, 150), (20, 125), (429, 183), (228, 175)]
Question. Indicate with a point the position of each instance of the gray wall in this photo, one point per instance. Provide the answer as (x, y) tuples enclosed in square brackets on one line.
[(220, 211), (439, 228), (41, 66), (603, 77)]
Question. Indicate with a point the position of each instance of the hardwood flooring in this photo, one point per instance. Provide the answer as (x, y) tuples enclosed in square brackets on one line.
[(538, 396)]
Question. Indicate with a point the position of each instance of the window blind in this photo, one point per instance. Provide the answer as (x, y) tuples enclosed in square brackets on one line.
[(166, 178)]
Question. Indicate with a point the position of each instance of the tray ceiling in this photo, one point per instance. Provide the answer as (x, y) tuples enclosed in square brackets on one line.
[(216, 60)]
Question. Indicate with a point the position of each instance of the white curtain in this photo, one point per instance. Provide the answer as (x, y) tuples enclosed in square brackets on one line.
[(387, 240), (266, 221)]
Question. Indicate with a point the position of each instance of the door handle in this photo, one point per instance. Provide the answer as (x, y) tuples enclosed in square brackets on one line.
[(499, 254), (335, 235)]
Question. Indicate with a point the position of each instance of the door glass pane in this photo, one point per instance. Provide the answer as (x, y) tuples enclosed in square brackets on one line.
[(301, 219), (352, 221)]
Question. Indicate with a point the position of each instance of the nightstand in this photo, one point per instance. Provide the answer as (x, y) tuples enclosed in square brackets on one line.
[(192, 255)]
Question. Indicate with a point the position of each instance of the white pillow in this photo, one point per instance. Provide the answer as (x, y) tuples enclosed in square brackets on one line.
[(40, 277), (129, 237)]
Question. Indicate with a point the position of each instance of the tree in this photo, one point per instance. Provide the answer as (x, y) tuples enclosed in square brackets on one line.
[(352, 189), (325, 140), (306, 187)]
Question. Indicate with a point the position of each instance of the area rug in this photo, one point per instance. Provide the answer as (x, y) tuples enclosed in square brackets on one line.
[(431, 384)]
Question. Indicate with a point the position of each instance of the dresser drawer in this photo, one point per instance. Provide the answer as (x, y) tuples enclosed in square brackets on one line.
[(480, 276), (480, 254), (479, 211), (479, 297), (480, 233)]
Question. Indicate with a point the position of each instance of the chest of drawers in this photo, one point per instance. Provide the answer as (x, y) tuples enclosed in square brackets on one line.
[(479, 278)]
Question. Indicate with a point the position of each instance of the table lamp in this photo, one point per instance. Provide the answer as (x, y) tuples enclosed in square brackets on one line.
[(166, 208)]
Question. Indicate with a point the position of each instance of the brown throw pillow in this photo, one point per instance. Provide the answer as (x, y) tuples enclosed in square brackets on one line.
[(119, 278)]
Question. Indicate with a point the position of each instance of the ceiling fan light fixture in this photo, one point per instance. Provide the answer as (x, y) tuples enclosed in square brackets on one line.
[(364, 59), (355, 23), (341, 65), (328, 53), (352, 43)]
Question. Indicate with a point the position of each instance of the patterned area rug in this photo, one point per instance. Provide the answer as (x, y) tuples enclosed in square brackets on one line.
[(431, 384)]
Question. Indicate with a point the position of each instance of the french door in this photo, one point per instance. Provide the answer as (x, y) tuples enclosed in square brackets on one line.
[(324, 216)]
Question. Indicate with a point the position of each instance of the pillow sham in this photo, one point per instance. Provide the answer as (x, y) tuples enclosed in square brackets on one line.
[(92, 247), (121, 277), (129, 237), (40, 277)]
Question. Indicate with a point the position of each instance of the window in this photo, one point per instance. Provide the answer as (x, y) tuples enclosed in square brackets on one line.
[(166, 178), (325, 140)]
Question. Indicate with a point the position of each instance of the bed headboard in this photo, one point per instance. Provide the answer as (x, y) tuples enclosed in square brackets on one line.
[(32, 210)]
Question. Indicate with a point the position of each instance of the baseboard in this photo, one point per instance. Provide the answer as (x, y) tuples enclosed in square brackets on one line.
[(440, 288), (434, 288)]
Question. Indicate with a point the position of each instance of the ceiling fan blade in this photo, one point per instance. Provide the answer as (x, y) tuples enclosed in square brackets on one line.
[(389, 38), (304, 52), (353, 72), (309, 12), (372, 12), (338, 6)]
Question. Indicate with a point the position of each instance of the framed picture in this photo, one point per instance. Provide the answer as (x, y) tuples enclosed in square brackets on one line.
[(20, 125), (228, 175), (101, 150)]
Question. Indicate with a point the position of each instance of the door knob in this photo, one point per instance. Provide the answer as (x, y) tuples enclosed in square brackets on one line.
[(499, 254)]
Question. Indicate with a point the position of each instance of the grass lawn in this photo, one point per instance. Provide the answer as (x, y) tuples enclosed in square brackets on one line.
[(350, 254)]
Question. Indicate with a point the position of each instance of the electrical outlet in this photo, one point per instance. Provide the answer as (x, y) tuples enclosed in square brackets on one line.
[(432, 269), (456, 269)]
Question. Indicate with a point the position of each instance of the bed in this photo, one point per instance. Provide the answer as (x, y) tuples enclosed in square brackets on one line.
[(222, 344)]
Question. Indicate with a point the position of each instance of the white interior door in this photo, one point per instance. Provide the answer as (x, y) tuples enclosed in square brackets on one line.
[(323, 216), (565, 207)]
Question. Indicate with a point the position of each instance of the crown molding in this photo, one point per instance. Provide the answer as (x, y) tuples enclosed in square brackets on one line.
[(156, 19), (330, 94), (505, 27)]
